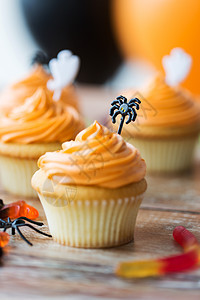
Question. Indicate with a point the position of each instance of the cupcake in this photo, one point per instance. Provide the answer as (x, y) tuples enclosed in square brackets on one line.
[(167, 125), (17, 93), (166, 131), (27, 131), (37, 115), (91, 190)]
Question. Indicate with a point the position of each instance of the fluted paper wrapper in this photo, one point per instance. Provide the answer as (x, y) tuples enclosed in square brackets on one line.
[(166, 156), (16, 175), (92, 223), (18, 163)]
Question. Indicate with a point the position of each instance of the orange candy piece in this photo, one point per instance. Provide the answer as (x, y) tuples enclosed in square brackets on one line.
[(26, 210), (18, 209), (4, 239)]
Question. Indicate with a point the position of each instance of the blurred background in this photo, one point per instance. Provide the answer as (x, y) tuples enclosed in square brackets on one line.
[(120, 42)]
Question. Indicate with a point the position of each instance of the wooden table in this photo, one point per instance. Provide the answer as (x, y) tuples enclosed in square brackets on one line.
[(51, 271)]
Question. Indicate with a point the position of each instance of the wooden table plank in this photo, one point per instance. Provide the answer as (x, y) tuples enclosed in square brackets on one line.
[(68, 270)]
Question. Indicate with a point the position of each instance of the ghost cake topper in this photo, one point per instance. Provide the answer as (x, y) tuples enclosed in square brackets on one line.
[(124, 108), (177, 66), (64, 69)]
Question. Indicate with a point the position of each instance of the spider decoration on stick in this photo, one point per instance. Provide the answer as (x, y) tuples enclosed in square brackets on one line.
[(121, 106), (20, 222), (40, 58)]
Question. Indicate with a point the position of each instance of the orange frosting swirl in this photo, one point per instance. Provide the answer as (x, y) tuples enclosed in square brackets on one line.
[(40, 119), (17, 93), (97, 157), (170, 106)]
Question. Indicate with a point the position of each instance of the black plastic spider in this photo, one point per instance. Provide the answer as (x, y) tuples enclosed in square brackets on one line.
[(20, 222), (120, 106), (40, 58)]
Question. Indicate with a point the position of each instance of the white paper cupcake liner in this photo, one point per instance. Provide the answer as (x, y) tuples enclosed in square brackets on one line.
[(166, 156), (16, 175), (92, 223)]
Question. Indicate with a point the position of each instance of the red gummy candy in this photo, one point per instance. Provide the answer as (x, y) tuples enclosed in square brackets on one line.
[(184, 237), (181, 262)]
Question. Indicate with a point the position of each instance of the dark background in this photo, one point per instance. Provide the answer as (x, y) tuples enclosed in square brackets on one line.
[(83, 26)]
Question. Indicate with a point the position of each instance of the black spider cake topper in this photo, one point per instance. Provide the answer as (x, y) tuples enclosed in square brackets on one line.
[(121, 106), (40, 58)]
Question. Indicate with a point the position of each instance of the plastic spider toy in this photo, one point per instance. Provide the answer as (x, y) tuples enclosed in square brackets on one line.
[(40, 58), (120, 106), (18, 223)]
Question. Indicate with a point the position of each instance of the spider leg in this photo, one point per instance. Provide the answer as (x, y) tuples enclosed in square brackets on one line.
[(22, 236), (134, 102), (134, 114), (119, 102), (37, 230), (113, 108), (122, 99), (4, 225), (2, 221), (129, 117), (30, 221), (117, 112)]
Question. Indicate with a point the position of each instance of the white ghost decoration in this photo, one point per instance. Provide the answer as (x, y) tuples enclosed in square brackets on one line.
[(177, 66), (64, 69)]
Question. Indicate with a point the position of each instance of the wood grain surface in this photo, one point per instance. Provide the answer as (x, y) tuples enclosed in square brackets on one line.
[(51, 271)]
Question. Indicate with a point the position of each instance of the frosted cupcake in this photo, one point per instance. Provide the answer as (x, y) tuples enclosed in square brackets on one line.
[(17, 93), (35, 120), (91, 190), (167, 125)]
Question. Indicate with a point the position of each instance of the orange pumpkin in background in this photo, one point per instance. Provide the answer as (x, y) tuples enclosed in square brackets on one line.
[(151, 28)]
